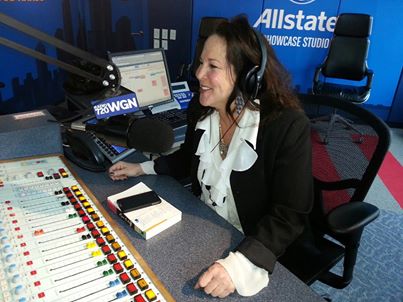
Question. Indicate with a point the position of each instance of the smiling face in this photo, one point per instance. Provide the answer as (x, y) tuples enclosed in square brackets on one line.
[(215, 74)]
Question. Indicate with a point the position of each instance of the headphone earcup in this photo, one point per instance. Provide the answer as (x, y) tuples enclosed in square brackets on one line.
[(250, 83)]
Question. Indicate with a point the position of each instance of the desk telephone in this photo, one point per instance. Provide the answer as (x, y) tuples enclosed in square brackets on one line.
[(89, 152)]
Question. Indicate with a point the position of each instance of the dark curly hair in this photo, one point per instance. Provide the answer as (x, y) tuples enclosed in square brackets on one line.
[(243, 52)]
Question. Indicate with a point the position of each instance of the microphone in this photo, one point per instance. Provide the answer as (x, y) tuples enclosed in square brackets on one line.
[(143, 134)]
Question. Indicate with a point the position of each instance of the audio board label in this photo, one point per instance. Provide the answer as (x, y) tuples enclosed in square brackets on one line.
[(57, 243)]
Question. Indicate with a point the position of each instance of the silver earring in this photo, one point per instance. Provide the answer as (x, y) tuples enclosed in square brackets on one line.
[(239, 104)]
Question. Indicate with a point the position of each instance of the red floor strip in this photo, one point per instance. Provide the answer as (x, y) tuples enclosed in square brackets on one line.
[(391, 173)]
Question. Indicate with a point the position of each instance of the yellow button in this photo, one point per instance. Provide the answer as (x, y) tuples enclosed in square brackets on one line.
[(100, 224), (86, 204), (105, 231), (90, 211), (128, 264), (142, 284), (82, 198), (78, 193), (96, 253), (150, 295), (122, 255), (74, 188), (91, 245)]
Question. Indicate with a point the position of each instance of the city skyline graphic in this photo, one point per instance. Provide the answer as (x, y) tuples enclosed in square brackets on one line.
[(30, 93)]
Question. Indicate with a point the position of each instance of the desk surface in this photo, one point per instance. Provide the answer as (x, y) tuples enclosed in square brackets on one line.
[(179, 254)]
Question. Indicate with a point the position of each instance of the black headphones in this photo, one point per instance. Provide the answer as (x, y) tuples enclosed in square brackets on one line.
[(252, 81)]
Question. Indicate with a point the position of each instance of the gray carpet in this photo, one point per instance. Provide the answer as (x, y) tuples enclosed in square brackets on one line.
[(378, 274)]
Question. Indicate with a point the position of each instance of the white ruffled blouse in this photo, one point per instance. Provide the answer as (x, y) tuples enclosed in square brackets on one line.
[(214, 178), (214, 172)]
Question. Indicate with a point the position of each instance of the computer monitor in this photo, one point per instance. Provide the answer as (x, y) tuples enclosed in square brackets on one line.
[(145, 72)]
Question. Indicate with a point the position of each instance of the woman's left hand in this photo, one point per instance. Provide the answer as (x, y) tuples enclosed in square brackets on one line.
[(216, 281)]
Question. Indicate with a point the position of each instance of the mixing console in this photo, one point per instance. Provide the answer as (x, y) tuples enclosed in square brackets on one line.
[(56, 245)]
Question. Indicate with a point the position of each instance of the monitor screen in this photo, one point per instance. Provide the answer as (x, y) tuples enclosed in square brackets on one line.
[(145, 72)]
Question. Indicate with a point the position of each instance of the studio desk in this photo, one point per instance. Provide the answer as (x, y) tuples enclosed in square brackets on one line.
[(179, 254)]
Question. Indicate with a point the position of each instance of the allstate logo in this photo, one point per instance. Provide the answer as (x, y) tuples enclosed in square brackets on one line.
[(302, 1)]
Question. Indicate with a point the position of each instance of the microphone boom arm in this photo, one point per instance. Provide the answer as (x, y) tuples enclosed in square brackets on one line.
[(110, 76)]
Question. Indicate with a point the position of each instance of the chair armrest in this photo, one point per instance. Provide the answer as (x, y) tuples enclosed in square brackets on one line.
[(351, 217), (318, 71), (370, 75)]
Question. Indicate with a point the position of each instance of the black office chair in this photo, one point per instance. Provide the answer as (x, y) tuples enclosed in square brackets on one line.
[(347, 61), (343, 173), (206, 28)]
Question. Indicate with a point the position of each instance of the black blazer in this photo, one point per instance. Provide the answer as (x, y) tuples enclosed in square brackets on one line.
[(274, 197)]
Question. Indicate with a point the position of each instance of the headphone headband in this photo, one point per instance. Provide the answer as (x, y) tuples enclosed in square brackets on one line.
[(253, 79), (263, 53)]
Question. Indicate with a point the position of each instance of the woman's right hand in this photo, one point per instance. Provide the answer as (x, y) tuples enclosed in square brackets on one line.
[(122, 170)]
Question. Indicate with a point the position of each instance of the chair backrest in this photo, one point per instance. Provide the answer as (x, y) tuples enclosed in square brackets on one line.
[(348, 51), (206, 28), (345, 168)]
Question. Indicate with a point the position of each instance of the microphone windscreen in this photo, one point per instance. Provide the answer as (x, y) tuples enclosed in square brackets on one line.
[(149, 135)]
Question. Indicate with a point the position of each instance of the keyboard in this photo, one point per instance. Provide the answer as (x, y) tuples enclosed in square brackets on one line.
[(174, 117)]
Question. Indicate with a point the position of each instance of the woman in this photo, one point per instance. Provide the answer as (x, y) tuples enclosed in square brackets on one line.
[(247, 151)]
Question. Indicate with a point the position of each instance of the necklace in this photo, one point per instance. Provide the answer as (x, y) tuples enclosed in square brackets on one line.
[(221, 144)]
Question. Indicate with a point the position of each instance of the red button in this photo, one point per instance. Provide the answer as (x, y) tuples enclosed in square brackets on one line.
[(111, 258), (139, 298), (106, 250), (17, 229), (90, 226), (26, 253), (131, 288), (39, 174), (37, 283), (80, 230), (118, 268), (85, 219), (95, 233), (124, 278), (29, 263), (33, 273), (41, 295), (100, 241)]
